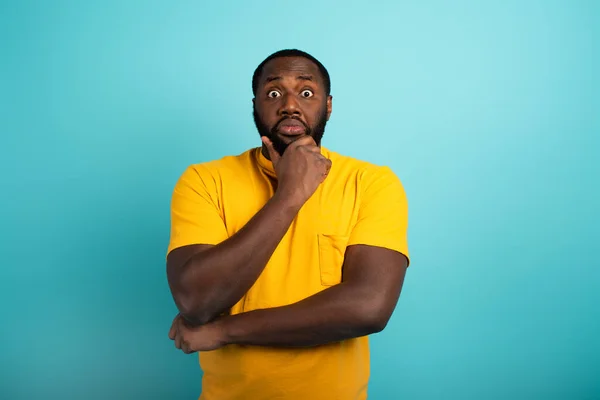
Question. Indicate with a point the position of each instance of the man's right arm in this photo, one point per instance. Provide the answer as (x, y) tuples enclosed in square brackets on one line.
[(207, 280)]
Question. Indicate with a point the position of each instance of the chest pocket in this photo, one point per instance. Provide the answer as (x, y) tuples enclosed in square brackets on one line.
[(331, 257)]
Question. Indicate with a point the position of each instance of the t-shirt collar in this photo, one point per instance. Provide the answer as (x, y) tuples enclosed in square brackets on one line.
[(266, 165)]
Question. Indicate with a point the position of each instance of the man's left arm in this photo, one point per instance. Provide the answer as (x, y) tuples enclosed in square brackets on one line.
[(374, 267), (361, 305)]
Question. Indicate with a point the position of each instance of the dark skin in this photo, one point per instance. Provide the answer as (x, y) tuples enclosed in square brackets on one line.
[(206, 281), (307, 102)]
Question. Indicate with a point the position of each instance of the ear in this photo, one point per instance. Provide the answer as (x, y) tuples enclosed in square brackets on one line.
[(329, 106)]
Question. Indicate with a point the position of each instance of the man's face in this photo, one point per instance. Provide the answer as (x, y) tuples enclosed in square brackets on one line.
[(291, 102)]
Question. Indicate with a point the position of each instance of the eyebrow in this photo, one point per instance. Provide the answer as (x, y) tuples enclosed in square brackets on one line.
[(299, 77)]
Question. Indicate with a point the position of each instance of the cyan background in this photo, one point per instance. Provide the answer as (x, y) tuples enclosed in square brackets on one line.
[(487, 110)]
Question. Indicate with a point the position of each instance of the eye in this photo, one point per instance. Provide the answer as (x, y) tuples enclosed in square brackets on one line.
[(273, 94), (307, 93)]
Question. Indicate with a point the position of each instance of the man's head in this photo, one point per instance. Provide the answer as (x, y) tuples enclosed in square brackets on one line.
[(291, 98)]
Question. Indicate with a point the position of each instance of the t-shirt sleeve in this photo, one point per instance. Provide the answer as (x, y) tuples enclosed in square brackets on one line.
[(195, 215), (383, 214)]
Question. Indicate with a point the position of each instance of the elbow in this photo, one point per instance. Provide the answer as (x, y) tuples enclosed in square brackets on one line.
[(196, 319), (376, 324), (192, 309), (189, 302), (376, 318)]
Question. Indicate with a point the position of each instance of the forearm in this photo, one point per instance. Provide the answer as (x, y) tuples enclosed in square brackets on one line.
[(214, 280), (338, 313)]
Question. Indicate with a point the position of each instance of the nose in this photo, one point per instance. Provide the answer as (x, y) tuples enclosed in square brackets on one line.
[(289, 106)]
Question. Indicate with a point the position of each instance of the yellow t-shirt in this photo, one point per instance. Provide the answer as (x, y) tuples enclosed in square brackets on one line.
[(358, 203)]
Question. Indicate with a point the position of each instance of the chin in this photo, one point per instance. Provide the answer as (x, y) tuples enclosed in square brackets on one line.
[(291, 138)]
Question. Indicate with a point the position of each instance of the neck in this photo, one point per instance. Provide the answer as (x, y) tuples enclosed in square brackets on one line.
[(265, 152)]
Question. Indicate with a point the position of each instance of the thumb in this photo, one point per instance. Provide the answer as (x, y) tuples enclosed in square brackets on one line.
[(273, 154)]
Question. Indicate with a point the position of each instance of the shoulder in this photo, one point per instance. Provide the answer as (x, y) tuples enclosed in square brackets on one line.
[(365, 172), (213, 174), (226, 165)]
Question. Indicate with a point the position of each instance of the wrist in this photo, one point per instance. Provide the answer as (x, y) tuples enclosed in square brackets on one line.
[(290, 203), (223, 326)]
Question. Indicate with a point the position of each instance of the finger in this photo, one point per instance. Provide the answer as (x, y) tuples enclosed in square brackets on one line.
[(186, 348), (273, 155), (178, 334), (178, 340), (312, 148), (322, 159), (173, 329), (327, 165), (306, 140)]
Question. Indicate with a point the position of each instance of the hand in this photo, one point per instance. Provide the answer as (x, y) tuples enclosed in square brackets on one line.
[(300, 170), (192, 339)]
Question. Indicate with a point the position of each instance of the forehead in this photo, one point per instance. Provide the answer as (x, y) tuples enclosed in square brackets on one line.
[(290, 67)]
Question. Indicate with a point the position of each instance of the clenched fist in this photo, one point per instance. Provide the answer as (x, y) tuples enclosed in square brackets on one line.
[(300, 170)]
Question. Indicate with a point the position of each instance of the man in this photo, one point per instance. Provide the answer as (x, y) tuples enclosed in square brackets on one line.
[(284, 258)]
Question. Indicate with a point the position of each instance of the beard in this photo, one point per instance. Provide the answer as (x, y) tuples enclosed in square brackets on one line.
[(316, 132)]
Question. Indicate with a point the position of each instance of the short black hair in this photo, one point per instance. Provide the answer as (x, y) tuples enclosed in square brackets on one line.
[(291, 53)]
